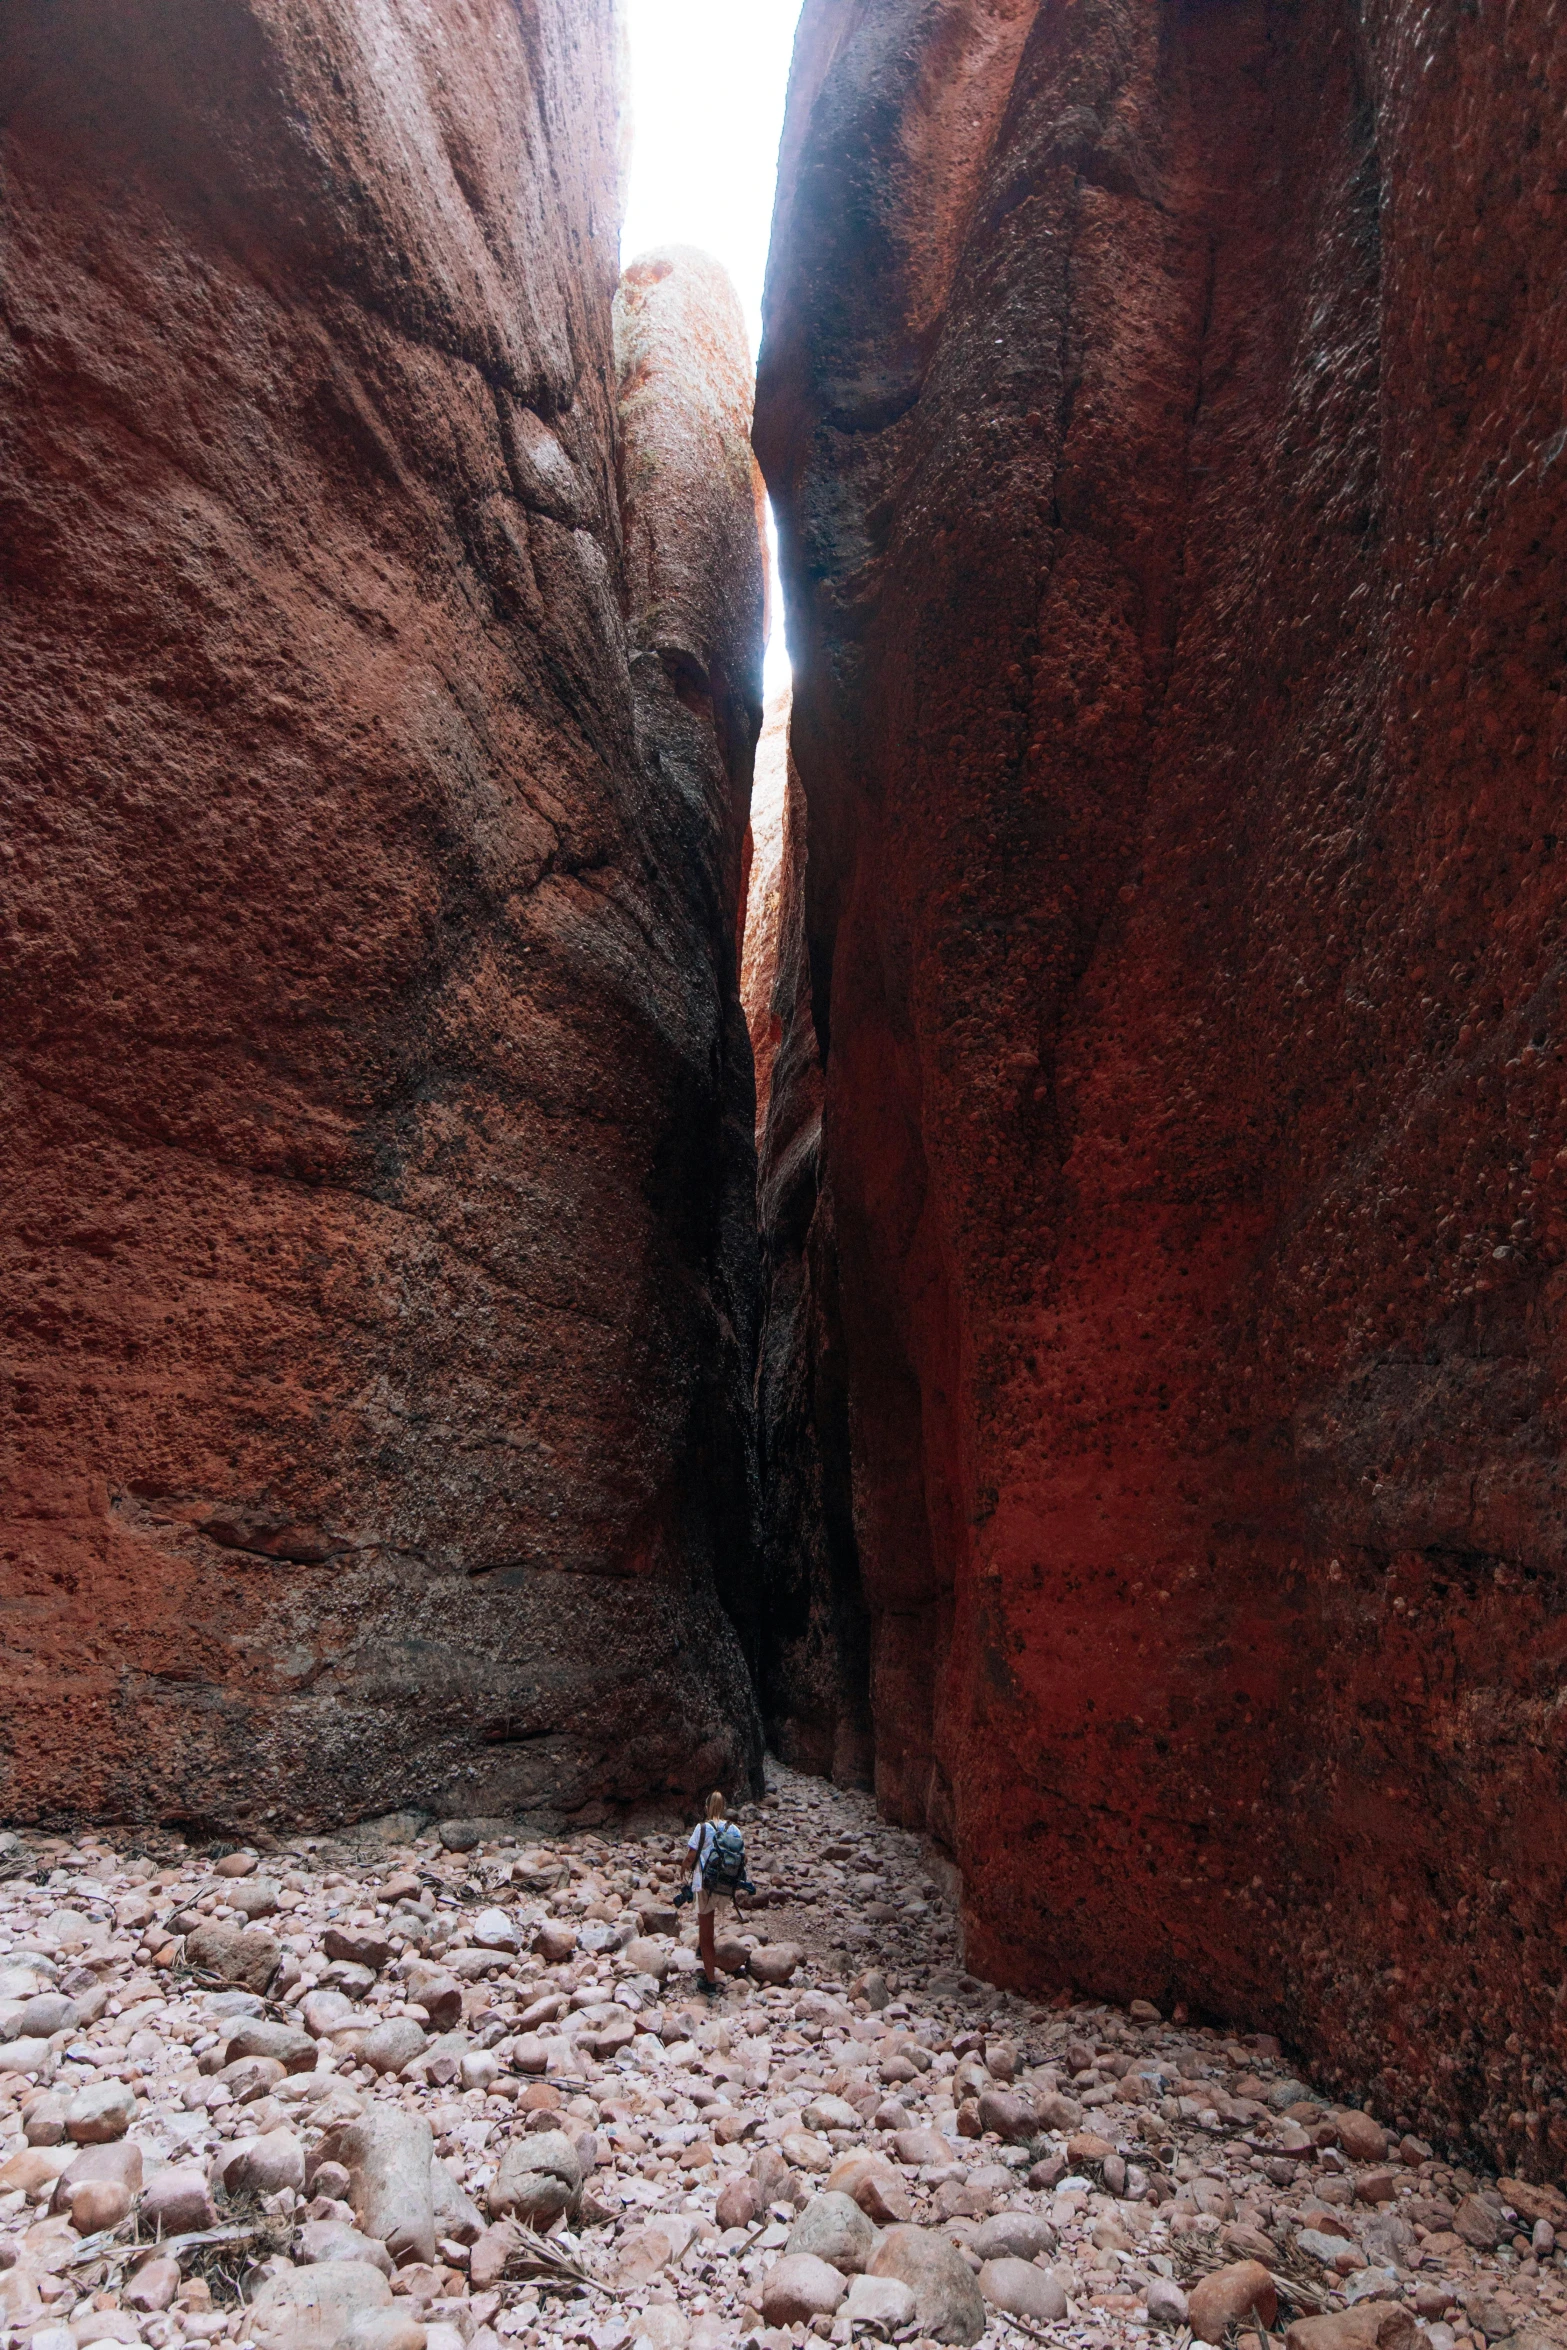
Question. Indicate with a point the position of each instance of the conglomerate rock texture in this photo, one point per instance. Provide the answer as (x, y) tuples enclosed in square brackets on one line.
[(1162, 408), (374, 1117)]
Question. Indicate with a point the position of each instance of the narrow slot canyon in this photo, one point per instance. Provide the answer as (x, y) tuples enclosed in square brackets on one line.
[(960, 1238)]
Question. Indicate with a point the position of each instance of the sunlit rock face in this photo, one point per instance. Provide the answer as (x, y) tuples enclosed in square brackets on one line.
[(1163, 417), (377, 1097)]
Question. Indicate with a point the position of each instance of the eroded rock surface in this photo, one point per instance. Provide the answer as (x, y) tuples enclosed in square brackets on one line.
[(375, 1099), (1162, 415)]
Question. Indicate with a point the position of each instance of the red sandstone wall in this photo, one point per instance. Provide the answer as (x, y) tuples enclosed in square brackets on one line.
[(1163, 413), (373, 1073)]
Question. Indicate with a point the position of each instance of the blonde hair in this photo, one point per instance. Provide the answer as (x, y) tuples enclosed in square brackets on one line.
[(715, 1804)]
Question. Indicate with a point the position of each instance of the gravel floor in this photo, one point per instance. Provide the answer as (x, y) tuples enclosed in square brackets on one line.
[(246, 2048)]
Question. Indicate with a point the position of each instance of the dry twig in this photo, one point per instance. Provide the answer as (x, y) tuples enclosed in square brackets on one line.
[(117, 2249), (534, 2257)]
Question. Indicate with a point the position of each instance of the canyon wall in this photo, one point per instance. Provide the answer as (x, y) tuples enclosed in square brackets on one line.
[(1162, 409), (377, 1102)]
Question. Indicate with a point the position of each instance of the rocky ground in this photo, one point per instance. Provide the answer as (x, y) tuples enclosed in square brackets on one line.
[(410, 2089)]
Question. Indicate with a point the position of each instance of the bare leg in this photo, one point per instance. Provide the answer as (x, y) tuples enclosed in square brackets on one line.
[(705, 1932)]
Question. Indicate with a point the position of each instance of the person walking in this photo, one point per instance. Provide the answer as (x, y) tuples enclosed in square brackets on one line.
[(701, 1845)]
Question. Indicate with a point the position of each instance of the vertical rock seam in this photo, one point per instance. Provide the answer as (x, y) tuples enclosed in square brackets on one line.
[(691, 499), (1162, 412), (814, 1635), (370, 1063)]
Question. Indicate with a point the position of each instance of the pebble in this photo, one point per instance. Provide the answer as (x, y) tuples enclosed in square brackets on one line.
[(265, 2165), (178, 2201), (879, 2301), (539, 2180), (1023, 2290), (947, 2302), (1229, 2295), (104, 2111), (834, 2229), (800, 2287)]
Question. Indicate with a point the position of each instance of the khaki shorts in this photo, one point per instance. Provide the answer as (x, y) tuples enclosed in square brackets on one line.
[(706, 1904)]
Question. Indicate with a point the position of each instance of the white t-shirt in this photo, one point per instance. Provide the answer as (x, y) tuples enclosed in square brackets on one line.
[(699, 1847)]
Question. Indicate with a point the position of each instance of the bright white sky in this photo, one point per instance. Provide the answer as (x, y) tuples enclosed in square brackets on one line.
[(708, 79)]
